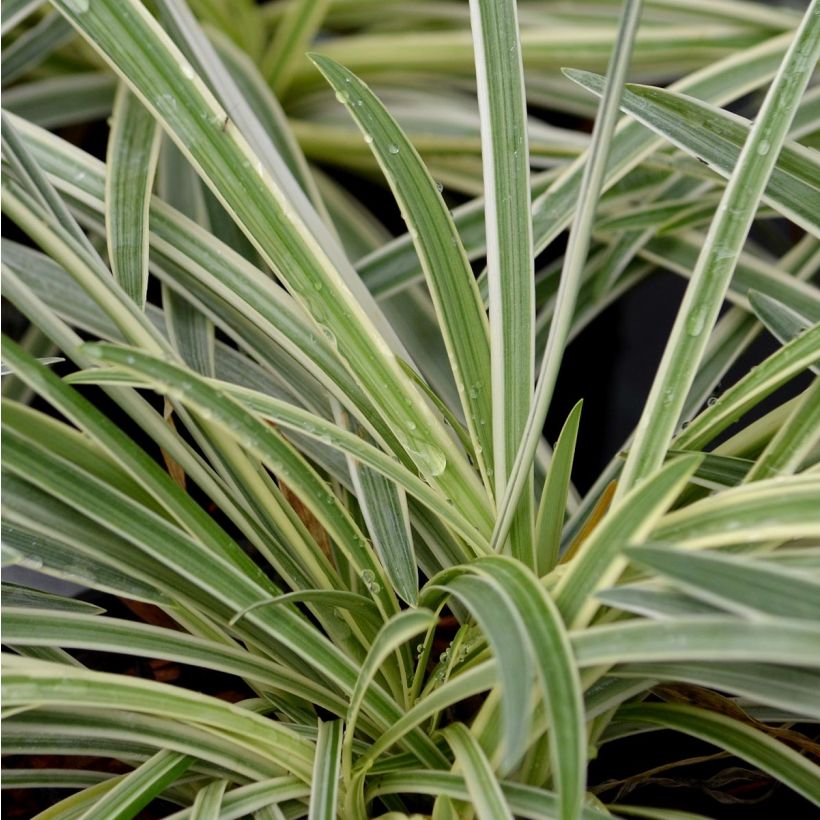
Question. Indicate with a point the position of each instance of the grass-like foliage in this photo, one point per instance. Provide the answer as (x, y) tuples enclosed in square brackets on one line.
[(316, 449)]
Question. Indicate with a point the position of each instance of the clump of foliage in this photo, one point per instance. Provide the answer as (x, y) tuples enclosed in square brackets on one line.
[(317, 449)]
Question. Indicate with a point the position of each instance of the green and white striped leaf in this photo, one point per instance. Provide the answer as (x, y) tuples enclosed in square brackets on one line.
[(136, 790), (195, 120), (447, 271), (208, 803), (550, 520), (133, 150), (324, 791), (503, 115), (772, 756), (735, 584), (783, 322), (718, 257), (486, 796), (597, 563), (718, 141)]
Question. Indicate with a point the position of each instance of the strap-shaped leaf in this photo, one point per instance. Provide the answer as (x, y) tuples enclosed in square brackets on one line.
[(293, 35), (264, 442), (573, 267), (133, 149), (526, 801), (791, 359), (718, 141), (795, 441), (787, 687), (503, 115), (202, 129), (208, 803), (324, 793), (384, 507), (395, 266), (485, 791), (28, 681), (138, 788), (736, 584), (447, 271), (700, 638), (552, 507), (561, 687), (34, 46), (16, 595), (597, 562), (783, 322), (774, 757), (727, 234), (398, 630), (503, 625), (778, 508), (81, 631)]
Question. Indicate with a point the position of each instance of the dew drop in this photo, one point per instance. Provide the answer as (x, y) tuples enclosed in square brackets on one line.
[(696, 321), (368, 138), (428, 458), (393, 149), (329, 335), (78, 6), (341, 97), (763, 148), (188, 71)]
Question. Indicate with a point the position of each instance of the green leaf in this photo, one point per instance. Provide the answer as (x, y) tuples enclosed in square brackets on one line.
[(719, 254), (573, 267), (786, 687), (123, 637), (208, 803), (503, 115), (34, 46), (778, 508), (485, 791), (133, 149), (15, 11), (720, 639), (794, 442), (325, 780), (394, 633), (29, 681), (15, 595), (384, 507), (550, 520), (718, 140), (736, 584), (293, 34), (777, 369), (137, 789), (447, 271), (558, 675), (526, 801), (759, 749), (783, 322), (156, 72), (597, 563), (505, 630), (5, 370)]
